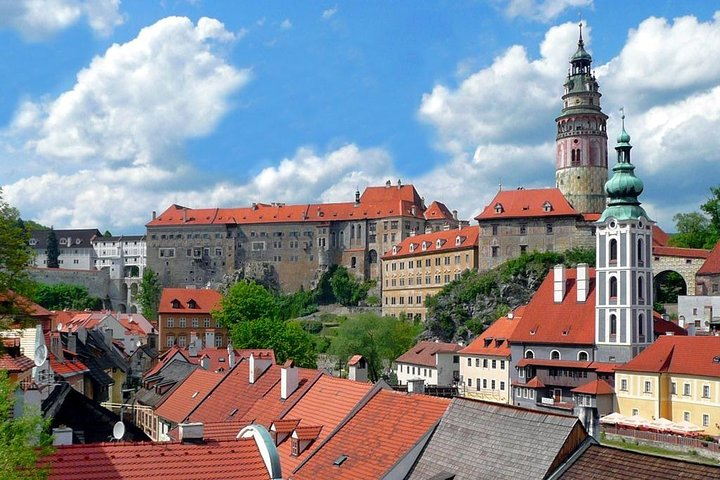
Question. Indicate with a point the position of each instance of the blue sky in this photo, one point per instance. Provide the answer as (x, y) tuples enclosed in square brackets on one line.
[(111, 109)]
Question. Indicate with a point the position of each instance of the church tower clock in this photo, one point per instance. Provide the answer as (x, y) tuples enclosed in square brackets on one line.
[(581, 165)]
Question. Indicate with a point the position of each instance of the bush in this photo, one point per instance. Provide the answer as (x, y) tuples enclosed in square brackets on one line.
[(312, 326)]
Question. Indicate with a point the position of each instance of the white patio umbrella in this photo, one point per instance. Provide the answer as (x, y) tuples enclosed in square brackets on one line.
[(612, 419), (661, 424), (685, 428), (635, 421)]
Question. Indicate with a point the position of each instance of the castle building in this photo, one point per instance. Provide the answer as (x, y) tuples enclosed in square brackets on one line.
[(290, 245), (75, 246)]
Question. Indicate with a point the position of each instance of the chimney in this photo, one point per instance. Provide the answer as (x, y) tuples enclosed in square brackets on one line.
[(231, 355), (416, 385), (210, 338), (559, 283), (191, 432), (154, 215), (357, 197), (581, 284), (454, 212), (56, 346), (257, 367), (184, 215), (192, 346), (72, 342), (62, 436), (289, 379), (357, 369), (205, 362), (387, 184)]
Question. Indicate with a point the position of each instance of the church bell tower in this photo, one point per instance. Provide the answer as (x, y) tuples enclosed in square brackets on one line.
[(581, 163)]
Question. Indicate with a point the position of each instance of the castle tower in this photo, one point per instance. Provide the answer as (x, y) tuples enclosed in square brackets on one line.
[(581, 143), (624, 288)]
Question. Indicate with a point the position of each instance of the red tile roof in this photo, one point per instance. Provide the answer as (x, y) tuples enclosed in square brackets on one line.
[(424, 353), (372, 446), (354, 360), (438, 211), (659, 236), (535, 383), (527, 203), (187, 395), (568, 322), (206, 300), (15, 364), (712, 264), (663, 251), (663, 327), (376, 202), (238, 459), (494, 340), (596, 387), (427, 243), (24, 304), (218, 356), (698, 356), (325, 404)]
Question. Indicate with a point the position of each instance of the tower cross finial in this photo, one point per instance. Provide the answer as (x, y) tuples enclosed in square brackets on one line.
[(580, 42), (622, 116)]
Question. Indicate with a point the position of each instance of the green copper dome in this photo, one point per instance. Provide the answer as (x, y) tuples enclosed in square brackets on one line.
[(581, 54), (623, 188)]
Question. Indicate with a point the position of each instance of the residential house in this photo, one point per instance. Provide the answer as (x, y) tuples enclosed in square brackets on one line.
[(708, 277), (75, 246), (184, 312), (437, 363), (124, 259), (485, 364), (420, 265), (677, 378)]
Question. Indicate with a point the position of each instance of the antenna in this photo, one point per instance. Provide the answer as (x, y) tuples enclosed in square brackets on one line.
[(118, 430), (40, 355)]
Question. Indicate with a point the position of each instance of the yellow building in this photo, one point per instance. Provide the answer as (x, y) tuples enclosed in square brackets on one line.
[(421, 265), (677, 378), (485, 363)]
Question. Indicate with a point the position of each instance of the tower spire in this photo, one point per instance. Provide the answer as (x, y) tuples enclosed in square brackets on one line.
[(580, 41)]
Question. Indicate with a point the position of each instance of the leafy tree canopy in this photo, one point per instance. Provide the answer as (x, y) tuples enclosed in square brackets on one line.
[(379, 339), (52, 250), (696, 229), (346, 289), (64, 296), (245, 301), (286, 338), (149, 294), (23, 439), (15, 252)]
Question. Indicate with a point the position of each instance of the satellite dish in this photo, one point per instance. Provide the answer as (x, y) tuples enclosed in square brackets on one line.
[(40, 355), (139, 343), (119, 430), (59, 327)]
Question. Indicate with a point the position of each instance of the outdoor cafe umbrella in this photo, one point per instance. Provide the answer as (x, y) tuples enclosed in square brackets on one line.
[(612, 418)]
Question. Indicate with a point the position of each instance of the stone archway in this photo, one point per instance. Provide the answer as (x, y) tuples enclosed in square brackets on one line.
[(684, 261), (668, 285)]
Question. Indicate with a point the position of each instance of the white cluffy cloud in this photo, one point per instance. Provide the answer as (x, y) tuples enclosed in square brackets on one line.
[(542, 10), (329, 13), (38, 19)]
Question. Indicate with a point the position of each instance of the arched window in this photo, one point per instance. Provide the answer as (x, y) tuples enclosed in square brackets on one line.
[(352, 231), (583, 356), (372, 256), (641, 288), (640, 252), (613, 251), (555, 355), (529, 354), (613, 324), (613, 287), (641, 325)]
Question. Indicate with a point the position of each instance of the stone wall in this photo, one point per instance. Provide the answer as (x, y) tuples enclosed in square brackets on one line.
[(97, 282)]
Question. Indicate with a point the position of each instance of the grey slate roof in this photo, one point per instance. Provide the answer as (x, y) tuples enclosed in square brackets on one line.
[(171, 375), (81, 238), (492, 441)]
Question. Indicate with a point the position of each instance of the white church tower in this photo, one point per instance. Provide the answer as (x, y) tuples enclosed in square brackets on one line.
[(624, 302)]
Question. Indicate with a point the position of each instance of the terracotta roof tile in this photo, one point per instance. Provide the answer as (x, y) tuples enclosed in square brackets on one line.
[(423, 353), (307, 432), (527, 203), (285, 425), (712, 264), (663, 327), (437, 211), (659, 236), (664, 251), (535, 383), (187, 395), (679, 355), (206, 300), (354, 360), (494, 340), (427, 243), (218, 356), (15, 364), (372, 447), (595, 387), (238, 459), (568, 322)]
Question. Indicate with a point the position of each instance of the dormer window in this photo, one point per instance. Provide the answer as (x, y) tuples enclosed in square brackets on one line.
[(192, 303), (412, 247), (499, 208), (78, 241), (488, 341), (175, 303), (425, 245), (547, 207), (459, 240), (395, 250), (438, 244), (33, 241), (63, 241)]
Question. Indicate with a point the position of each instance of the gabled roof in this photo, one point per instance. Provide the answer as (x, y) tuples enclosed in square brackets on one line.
[(699, 356), (238, 459), (664, 251), (494, 340), (161, 384), (530, 203), (595, 387), (488, 440), (15, 364), (608, 463), (79, 238), (187, 395), (567, 322), (23, 304), (535, 383), (427, 243), (659, 236), (206, 300), (712, 264), (374, 438), (663, 327), (424, 353), (218, 356), (438, 211)]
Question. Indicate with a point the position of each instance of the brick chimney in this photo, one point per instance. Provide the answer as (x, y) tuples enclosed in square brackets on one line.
[(582, 282), (192, 346), (289, 379), (56, 346), (559, 283), (72, 342), (257, 366)]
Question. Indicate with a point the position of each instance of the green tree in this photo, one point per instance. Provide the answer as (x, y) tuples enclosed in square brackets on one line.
[(23, 439), (246, 301), (323, 293), (712, 209), (64, 296), (296, 304), (286, 338), (149, 294), (694, 230), (52, 250), (346, 289), (379, 339), (15, 254)]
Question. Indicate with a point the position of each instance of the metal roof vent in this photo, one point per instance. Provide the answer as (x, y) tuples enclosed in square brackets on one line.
[(339, 460)]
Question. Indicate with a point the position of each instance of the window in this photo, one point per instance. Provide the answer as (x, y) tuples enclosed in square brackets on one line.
[(182, 323), (706, 391), (555, 355), (641, 288), (502, 364), (494, 229), (218, 341), (613, 287), (469, 362), (494, 364), (523, 229), (182, 341), (706, 420), (635, 411), (686, 416), (521, 373), (477, 362), (648, 387), (523, 249), (529, 354), (673, 388), (502, 386), (484, 382), (640, 253), (623, 385), (206, 323), (170, 322), (495, 251), (166, 252), (456, 358), (469, 382), (613, 251), (485, 362), (549, 228), (583, 356), (613, 324), (492, 384), (256, 246), (170, 341), (686, 389)]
